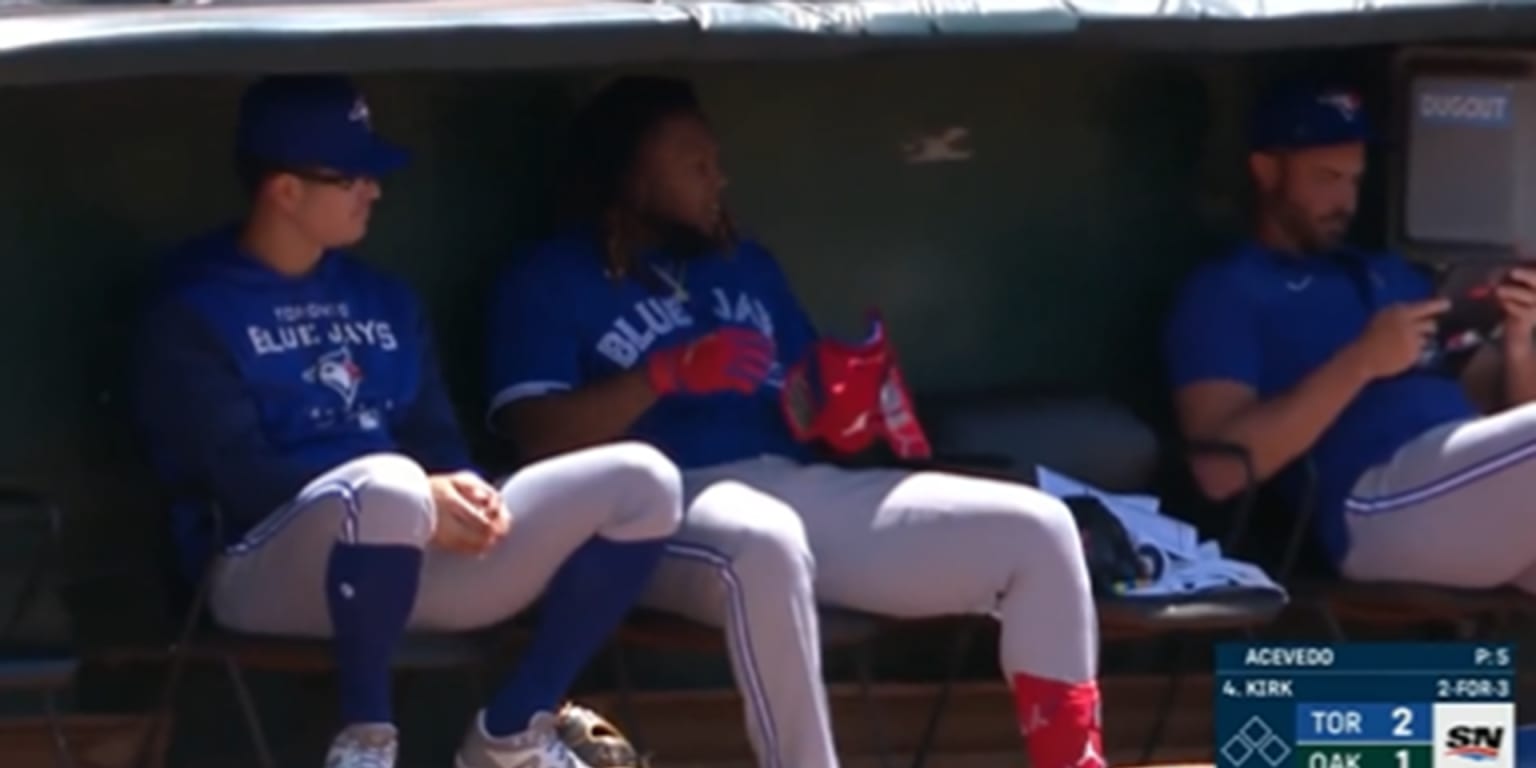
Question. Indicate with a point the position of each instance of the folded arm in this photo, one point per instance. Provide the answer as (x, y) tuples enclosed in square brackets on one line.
[(1214, 352), (204, 423), (1274, 431)]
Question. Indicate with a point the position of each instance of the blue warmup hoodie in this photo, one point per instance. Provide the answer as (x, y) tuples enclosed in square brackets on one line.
[(250, 383)]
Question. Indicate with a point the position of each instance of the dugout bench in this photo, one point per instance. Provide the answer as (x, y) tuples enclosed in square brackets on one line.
[(1177, 621), (199, 641)]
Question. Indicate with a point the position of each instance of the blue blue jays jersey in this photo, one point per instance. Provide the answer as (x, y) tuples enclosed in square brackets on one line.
[(559, 321), (252, 383)]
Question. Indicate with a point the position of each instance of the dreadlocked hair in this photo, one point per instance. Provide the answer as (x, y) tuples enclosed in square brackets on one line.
[(606, 138)]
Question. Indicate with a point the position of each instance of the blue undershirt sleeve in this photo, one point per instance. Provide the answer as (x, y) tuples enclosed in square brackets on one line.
[(534, 348)]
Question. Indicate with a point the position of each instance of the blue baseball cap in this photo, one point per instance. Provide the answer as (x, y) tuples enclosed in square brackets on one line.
[(303, 122), (1304, 116)]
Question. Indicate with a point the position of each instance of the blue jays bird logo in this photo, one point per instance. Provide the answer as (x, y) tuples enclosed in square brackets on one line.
[(336, 371), (360, 113), (1347, 104)]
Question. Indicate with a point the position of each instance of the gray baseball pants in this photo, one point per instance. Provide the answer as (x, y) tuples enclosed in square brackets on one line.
[(273, 581), (764, 540), (1454, 507)]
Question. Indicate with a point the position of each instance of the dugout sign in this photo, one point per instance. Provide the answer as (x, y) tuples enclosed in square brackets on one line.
[(1365, 705)]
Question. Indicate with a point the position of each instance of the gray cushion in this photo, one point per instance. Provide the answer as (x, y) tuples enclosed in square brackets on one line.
[(1097, 441)]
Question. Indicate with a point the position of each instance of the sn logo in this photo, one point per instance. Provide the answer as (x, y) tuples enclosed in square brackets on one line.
[(1478, 743), (1474, 735)]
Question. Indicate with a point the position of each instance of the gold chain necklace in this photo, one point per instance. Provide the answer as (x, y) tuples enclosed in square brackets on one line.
[(679, 292)]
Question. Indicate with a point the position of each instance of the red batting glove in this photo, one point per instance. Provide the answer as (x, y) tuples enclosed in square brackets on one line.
[(732, 359)]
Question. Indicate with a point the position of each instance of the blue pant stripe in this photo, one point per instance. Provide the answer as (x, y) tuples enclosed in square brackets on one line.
[(1450, 483), (274, 523), (737, 615)]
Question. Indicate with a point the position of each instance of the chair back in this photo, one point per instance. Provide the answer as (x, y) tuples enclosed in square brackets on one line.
[(34, 617), (1277, 524), (1293, 498)]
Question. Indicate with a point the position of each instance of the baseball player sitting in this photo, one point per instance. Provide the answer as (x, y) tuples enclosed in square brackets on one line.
[(1297, 343), (650, 320), (297, 389)]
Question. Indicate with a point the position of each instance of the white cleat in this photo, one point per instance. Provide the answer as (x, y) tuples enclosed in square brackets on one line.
[(538, 747), (364, 746)]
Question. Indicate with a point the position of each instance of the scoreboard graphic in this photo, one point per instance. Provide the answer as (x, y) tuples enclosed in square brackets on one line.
[(1365, 705)]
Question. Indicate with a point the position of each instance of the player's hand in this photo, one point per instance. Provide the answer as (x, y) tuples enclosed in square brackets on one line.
[(475, 489), (471, 517), (733, 359), (1394, 340), (492, 506), (1517, 296)]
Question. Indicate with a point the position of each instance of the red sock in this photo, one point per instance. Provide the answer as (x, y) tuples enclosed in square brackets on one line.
[(1060, 722)]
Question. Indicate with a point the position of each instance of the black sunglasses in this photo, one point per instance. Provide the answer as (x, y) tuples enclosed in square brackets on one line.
[(328, 178)]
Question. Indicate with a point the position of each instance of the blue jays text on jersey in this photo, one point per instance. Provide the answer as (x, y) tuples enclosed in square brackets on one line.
[(310, 325), (251, 383), (652, 318), (332, 331), (559, 321)]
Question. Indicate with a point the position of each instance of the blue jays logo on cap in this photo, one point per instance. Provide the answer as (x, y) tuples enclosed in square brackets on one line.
[(360, 113), (1345, 102), (1298, 117), (312, 122)]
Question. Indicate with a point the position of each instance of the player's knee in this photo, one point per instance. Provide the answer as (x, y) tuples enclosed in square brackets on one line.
[(390, 504), (775, 557), (771, 548), (1048, 518), (1045, 531), (652, 483)]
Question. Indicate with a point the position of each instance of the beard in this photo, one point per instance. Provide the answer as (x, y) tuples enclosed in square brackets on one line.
[(671, 240), (681, 239), (1312, 234), (1327, 233)]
